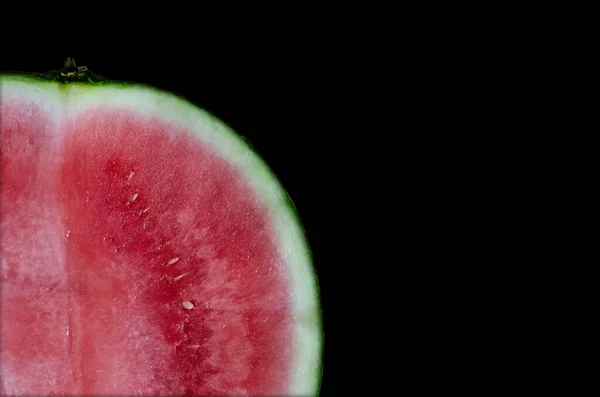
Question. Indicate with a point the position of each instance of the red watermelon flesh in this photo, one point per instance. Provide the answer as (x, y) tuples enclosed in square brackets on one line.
[(136, 259)]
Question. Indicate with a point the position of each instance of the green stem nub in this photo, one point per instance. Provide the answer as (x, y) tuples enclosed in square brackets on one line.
[(72, 73)]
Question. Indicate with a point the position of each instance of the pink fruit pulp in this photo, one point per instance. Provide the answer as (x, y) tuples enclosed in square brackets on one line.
[(113, 225)]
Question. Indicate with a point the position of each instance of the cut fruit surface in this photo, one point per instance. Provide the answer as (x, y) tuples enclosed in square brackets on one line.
[(145, 250)]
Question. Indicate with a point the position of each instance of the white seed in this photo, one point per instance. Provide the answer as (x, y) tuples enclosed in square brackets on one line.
[(130, 175), (172, 261), (146, 210), (195, 346), (134, 197), (180, 276), (188, 305)]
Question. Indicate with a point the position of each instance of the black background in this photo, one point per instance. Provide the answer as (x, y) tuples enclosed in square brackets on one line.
[(286, 101)]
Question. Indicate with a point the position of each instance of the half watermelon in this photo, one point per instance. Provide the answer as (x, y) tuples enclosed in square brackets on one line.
[(146, 249)]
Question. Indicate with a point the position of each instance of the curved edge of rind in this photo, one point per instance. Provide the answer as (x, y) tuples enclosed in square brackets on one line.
[(293, 209), (260, 165)]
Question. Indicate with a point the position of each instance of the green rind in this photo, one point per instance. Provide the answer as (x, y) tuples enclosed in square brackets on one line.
[(316, 319)]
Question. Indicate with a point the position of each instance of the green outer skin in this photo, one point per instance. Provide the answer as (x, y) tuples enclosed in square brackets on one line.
[(317, 319)]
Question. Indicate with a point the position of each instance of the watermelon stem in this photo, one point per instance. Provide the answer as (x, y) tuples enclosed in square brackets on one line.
[(72, 73)]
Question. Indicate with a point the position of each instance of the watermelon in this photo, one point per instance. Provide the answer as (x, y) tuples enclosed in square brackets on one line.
[(145, 249)]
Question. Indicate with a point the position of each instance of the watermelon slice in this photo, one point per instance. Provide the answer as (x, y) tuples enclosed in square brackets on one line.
[(145, 249)]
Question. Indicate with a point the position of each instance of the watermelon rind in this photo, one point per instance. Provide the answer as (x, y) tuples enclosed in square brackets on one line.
[(293, 242)]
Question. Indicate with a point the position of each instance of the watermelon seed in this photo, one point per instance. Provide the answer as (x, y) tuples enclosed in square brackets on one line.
[(172, 261), (130, 175), (180, 276), (134, 197), (188, 305), (146, 210), (195, 346)]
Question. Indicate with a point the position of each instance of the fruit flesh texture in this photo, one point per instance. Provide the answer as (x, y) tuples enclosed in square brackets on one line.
[(113, 224)]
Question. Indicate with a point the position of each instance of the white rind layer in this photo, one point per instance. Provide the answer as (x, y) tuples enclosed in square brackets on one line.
[(75, 98)]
